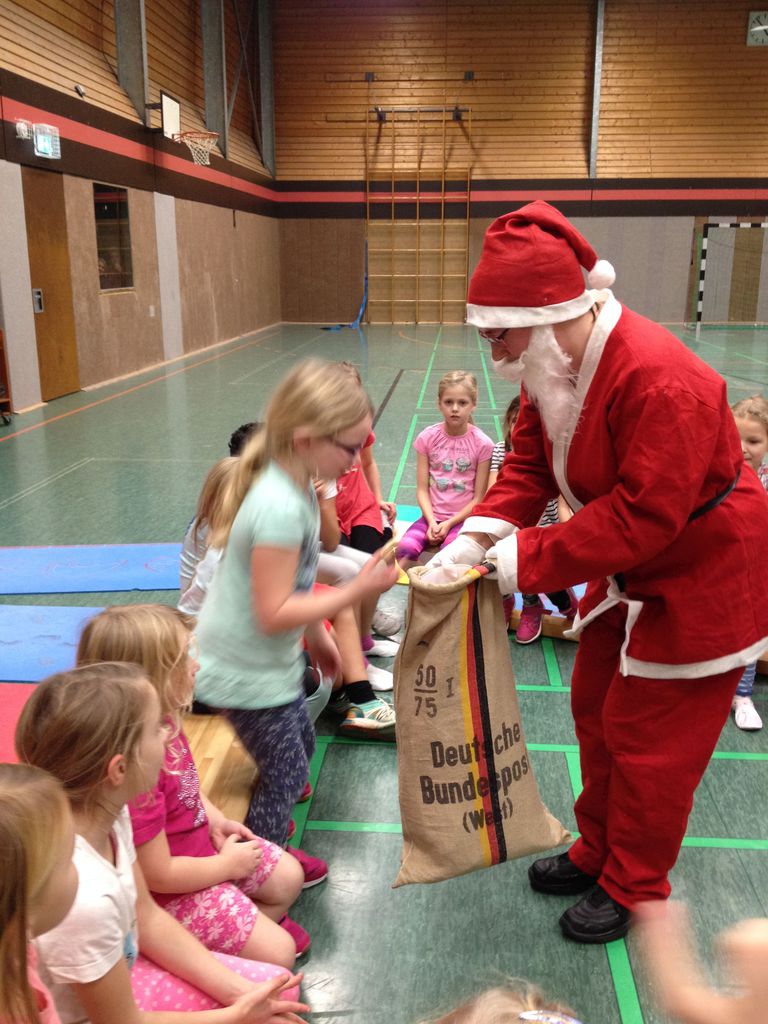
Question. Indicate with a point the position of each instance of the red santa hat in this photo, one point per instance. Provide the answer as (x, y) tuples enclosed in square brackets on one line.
[(530, 271)]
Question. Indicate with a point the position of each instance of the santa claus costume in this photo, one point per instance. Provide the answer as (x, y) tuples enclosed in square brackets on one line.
[(667, 528)]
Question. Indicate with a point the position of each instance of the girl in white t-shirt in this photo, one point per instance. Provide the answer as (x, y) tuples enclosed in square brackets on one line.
[(117, 955), (38, 882)]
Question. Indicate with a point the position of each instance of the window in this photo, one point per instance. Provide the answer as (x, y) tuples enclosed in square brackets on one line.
[(113, 236)]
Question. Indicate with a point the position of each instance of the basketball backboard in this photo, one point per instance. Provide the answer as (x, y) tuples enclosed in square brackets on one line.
[(170, 115)]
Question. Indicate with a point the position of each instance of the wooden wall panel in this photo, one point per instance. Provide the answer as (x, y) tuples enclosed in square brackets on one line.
[(321, 269), (530, 97), (228, 273), (117, 332), (61, 44), (682, 95), (40, 42)]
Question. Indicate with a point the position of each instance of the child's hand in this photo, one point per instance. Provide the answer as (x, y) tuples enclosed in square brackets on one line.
[(262, 1005), (241, 858), (437, 533), (376, 576), (226, 827), (681, 988), (323, 651), (389, 508)]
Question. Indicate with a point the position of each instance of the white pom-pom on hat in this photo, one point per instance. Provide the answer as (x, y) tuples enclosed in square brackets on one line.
[(602, 275)]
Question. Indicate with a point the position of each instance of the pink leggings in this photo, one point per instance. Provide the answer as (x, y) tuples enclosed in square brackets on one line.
[(414, 540), (156, 989)]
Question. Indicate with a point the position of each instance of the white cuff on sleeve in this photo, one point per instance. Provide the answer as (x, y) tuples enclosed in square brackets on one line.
[(483, 524), (504, 554)]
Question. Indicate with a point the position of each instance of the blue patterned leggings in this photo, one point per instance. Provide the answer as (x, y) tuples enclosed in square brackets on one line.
[(281, 741)]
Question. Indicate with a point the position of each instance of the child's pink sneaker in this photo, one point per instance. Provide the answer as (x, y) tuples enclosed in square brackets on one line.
[(529, 627), (291, 829), (306, 794), (315, 870), (297, 933)]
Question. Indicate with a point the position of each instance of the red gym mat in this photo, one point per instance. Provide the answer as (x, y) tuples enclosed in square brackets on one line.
[(13, 697)]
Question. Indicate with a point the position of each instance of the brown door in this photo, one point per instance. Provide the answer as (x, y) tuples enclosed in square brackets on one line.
[(51, 282)]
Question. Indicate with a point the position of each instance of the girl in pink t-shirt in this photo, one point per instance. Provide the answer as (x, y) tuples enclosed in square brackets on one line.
[(38, 883), (227, 886), (453, 462)]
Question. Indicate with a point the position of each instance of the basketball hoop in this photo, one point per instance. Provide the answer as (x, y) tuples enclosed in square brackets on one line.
[(199, 144)]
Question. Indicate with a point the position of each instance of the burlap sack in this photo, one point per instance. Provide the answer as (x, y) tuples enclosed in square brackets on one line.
[(468, 796)]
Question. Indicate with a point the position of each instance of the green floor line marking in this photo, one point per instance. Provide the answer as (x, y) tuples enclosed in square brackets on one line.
[(485, 370), (624, 983), (301, 811), (389, 827), (724, 843), (555, 748), (420, 401), (574, 771), (414, 420), (738, 755), (550, 660), (349, 741), (499, 432), (546, 687), (403, 459)]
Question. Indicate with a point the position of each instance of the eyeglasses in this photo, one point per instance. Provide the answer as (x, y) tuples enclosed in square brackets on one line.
[(352, 450), (493, 339)]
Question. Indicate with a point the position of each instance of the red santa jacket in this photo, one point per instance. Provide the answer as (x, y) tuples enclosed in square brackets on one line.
[(653, 442)]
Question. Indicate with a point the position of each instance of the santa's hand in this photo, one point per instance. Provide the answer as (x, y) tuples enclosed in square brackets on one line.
[(503, 554), (465, 550)]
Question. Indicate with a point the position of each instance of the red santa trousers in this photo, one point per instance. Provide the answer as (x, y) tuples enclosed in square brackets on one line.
[(644, 745)]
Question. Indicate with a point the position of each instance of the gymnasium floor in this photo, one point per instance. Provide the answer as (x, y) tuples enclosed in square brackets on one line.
[(124, 463)]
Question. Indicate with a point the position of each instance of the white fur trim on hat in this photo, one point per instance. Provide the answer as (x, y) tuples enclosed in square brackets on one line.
[(495, 317), (602, 275)]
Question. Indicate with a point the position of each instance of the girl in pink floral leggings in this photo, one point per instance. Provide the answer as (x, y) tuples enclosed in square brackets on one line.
[(226, 885)]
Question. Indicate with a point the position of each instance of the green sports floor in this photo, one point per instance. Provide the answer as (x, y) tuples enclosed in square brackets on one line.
[(124, 463)]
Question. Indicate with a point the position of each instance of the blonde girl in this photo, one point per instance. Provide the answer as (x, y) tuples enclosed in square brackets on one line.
[(101, 731), (212, 874), (452, 465), (260, 603), (38, 882), (509, 1004), (751, 415), (198, 559)]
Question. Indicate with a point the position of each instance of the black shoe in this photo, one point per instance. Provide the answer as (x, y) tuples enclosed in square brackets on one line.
[(596, 918), (558, 875)]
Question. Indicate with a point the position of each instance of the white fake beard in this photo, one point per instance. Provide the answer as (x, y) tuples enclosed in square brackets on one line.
[(546, 372)]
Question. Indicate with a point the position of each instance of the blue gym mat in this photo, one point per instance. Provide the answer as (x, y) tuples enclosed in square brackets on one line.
[(89, 568), (36, 640)]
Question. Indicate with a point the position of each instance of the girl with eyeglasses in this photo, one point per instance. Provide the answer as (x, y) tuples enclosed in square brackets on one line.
[(261, 605)]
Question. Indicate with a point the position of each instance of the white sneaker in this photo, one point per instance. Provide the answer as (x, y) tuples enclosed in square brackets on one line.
[(745, 714), (379, 678), (383, 649), (387, 622), (376, 721)]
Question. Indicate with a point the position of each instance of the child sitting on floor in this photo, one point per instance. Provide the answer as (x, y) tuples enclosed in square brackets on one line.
[(38, 884), (226, 885), (751, 415), (453, 462), (100, 730)]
